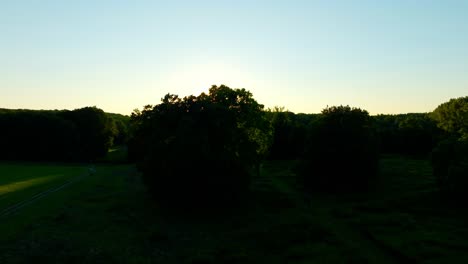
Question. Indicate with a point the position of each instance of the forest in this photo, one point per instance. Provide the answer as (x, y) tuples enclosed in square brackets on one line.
[(83, 134), (216, 154)]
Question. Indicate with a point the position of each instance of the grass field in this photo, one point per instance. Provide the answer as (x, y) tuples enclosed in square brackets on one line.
[(21, 181), (109, 218)]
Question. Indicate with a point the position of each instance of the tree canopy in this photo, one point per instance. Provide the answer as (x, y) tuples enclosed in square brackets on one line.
[(450, 158), (55, 135), (341, 154), (452, 116), (200, 148), (409, 134)]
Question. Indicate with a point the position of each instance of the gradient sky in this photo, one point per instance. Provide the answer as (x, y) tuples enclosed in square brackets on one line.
[(383, 56)]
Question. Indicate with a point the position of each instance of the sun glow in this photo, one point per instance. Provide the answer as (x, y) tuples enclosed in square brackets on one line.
[(20, 185), (197, 78)]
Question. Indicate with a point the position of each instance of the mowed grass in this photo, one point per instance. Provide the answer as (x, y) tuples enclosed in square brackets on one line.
[(20, 181), (110, 218), (31, 231), (407, 217)]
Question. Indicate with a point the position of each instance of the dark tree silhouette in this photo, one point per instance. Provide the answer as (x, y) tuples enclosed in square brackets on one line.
[(450, 167), (96, 131), (200, 150), (289, 133), (38, 135), (408, 134), (341, 154), (121, 128)]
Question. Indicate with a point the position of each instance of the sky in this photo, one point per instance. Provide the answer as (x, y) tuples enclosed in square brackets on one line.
[(388, 57)]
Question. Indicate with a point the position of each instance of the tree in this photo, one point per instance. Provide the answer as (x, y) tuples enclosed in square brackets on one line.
[(55, 135), (449, 162), (289, 133), (96, 131), (200, 150), (450, 158), (452, 116), (248, 115), (36, 135), (409, 134), (121, 128), (341, 154)]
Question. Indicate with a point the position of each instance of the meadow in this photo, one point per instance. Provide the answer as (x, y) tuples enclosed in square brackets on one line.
[(109, 217), (22, 181)]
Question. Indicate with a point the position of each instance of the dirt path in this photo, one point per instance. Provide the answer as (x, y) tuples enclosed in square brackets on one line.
[(14, 208)]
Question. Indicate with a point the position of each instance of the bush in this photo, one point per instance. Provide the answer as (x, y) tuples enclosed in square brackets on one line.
[(342, 152), (450, 167)]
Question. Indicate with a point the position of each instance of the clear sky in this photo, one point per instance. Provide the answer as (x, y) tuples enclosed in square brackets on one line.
[(393, 56)]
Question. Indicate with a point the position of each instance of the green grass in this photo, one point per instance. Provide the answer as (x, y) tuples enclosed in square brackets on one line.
[(116, 155), (22, 181), (407, 216), (110, 218)]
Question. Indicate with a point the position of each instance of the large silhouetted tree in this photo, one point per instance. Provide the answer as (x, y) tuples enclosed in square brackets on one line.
[(341, 154), (200, 150), (96, 131)]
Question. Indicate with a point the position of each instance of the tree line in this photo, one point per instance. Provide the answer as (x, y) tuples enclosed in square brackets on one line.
[(413, 134), (203, 150), (83, 134)]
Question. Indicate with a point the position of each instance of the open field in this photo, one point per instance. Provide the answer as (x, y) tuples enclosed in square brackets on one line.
[(19, 182), (109, 218)]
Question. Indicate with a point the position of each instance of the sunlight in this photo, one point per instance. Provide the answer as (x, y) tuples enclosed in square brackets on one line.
[(195, 79), (20, 185)]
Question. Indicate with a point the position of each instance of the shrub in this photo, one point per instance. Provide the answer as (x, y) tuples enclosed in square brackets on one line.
[(450, 167), (342, 152)]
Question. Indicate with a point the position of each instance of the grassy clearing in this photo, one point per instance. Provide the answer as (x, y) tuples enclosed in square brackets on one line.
[(73, 222), (407, 217), (117, 154), (21, 181), (109, 218)]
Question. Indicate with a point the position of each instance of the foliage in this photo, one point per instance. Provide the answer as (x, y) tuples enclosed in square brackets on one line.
[(450, 158), (96, 131), (121, 133), (408, 134), (289, 133), (200, 150), (38, 135), (450, 166), (452, 116), (341, 154)]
